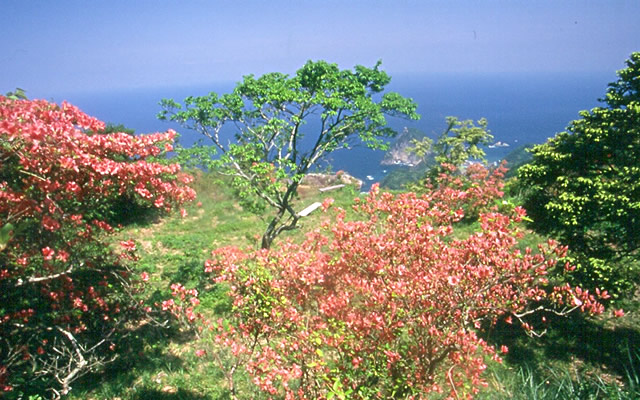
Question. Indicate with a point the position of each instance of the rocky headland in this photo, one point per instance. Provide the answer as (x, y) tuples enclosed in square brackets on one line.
[(399, 152)]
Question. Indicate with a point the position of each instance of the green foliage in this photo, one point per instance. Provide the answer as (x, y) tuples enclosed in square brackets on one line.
[(269, 116), (18, 94), (517, 158), (583, 186), (459, 142), (114, 128), (399, 178), (526, 384), (5, 234)]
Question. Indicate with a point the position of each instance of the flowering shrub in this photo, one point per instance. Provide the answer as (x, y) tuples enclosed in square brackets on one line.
[(385, 306), (474, 189), (63, 294)]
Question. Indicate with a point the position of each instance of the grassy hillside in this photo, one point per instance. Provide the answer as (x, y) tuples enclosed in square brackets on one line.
[(580, 358), (159, 363)]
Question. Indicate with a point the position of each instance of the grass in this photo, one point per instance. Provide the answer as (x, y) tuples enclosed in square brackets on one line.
[(579, 358), (556, 382), (160, 364)]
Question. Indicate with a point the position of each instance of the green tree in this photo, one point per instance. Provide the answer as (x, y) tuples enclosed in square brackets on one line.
[(114, 128), (271, 114), (583, 185), (459, 142)]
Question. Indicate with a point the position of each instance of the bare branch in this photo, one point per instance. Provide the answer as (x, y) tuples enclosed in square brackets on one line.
[(81, 363), (38, 279)]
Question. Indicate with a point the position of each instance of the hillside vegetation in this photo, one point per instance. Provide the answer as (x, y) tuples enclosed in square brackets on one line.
[(125, 275), (577, 358)]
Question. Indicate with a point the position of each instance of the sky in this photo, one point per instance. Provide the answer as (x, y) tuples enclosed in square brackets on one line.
[(63, 46)]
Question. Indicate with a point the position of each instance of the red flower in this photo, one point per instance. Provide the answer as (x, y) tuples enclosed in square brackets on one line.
[(129, 245), (50, 224), (453, 280), (48, 253), (327, 203), (62, 256)]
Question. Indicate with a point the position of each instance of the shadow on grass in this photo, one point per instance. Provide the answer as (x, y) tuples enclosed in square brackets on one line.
[(141, 352), (126, 211), (180, 394), (594, 343), (189, 272)]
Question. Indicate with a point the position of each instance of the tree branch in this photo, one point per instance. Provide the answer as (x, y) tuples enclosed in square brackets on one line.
[(38, 279), (81, 363)]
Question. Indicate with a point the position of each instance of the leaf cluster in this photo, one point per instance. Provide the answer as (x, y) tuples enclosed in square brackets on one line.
[(459, 142), (583, 185)]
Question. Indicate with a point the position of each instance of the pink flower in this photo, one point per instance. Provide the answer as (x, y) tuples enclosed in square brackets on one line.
[(50, 224), (618, 313), (453, 280), (48, 253), (62, 256), (183, 212), (167, 304), (143, 192), (327, 203), (159, 202), (577, 302), (77, 302), (144, 276), (72, 187), (200, 352), (129, 245)]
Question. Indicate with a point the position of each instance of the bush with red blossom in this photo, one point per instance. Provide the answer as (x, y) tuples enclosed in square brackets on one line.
[(64, 295), (384, 306)]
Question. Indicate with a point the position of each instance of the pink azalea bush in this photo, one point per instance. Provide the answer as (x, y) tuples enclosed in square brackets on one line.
[(475, 189), (387, 305), (64, 295)]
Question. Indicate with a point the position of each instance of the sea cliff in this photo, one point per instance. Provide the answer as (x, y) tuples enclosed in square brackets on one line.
[(400, 153)]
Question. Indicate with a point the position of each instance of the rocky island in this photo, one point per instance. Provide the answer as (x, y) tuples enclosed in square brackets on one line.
[(399, 152)]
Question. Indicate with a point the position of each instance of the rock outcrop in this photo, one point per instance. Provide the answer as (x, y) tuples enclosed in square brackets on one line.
[(318, 181), (399, 154)]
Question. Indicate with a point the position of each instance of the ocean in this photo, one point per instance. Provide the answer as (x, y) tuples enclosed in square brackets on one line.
[(520, 109)]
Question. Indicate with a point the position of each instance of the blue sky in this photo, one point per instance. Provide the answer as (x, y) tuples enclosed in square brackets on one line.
[(49, 47)]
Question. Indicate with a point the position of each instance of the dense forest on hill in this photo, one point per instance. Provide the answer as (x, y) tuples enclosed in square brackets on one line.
[(126, 273)]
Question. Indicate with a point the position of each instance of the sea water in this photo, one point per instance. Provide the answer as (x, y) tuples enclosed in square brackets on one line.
[(520, 109)]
